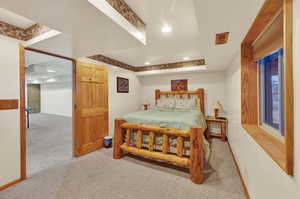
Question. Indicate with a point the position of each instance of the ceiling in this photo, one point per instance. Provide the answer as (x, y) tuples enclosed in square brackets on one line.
[(14, 19), (194, 26), (45, 69)]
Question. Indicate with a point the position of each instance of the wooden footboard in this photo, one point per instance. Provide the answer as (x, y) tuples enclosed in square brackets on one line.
[(195, 161)]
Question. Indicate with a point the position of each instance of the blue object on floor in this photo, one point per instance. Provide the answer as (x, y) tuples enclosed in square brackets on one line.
[(107, 141)]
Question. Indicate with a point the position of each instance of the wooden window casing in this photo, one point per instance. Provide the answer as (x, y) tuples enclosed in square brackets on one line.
[(280, 151)]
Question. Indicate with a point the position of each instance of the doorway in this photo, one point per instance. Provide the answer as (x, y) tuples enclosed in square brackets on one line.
[(49, 110), (88, 107)]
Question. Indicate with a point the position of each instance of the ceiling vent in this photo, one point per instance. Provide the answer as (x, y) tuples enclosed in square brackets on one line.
[(222, 38)]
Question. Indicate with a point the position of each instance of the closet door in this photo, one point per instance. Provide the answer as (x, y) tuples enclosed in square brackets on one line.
[(91, 107)]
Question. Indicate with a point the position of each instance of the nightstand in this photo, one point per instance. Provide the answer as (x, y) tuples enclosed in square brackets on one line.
[(217, 127)]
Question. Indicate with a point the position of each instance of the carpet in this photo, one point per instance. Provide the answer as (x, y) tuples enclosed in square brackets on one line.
[(97, 175), (48, 141)]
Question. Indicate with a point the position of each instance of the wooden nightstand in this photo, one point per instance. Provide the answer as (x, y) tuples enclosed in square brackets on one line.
[(215, 123)]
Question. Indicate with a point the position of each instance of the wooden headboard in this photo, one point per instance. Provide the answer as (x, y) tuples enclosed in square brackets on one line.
[(199, 92)]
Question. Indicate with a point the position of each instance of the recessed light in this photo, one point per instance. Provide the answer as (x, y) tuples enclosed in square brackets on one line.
[(166, 29), (147, 63), (51, 80), (51, 71), (186, 58), (44, 77)]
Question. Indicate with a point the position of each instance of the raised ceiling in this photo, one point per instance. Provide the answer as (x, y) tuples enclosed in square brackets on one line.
[(14, 19), (194, 25)]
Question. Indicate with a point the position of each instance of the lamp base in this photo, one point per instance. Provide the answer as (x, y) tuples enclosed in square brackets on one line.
[(216, 113)]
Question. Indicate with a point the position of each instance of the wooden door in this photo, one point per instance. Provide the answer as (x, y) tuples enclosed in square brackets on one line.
[(34, 97), (91, 107)]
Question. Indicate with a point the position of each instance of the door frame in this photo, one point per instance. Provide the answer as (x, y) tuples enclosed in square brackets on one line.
[(23, 156)]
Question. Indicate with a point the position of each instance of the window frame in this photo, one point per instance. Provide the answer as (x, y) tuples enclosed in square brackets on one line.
[(281, 151), (261, 84)]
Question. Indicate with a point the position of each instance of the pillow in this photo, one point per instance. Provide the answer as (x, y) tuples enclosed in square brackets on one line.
[(186, 103), (166, 102)]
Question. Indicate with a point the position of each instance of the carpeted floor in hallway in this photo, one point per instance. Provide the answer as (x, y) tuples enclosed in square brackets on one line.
[(49, 141), (98, 175)]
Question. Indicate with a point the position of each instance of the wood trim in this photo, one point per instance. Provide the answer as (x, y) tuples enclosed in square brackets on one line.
[(9, 104), (266, 14), (10, 184), (239, 173), (23, 173), (249, 86), (50, 54), (274, 147), (281, 153), (289, 85)]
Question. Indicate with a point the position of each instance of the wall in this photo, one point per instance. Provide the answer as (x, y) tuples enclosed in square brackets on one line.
[(9, 119), (262, 176), (120, 103), (56, 98), (213, 83)]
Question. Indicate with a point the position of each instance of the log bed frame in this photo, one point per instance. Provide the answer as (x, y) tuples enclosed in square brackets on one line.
[(195, 161)]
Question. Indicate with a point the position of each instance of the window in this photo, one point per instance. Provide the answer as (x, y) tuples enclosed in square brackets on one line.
[(267, 90), (271, 92)]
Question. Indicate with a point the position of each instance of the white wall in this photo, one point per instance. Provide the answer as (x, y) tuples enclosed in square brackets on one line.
[(56, 98), (120, 103), (9, 119), (262, 176), (213, 84)]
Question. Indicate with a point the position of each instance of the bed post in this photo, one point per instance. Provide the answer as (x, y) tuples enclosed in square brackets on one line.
[(118, 138), (157, 95), (201, 98), (196, 155)]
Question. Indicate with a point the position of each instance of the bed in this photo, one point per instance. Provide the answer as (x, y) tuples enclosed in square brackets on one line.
[(170, 133)]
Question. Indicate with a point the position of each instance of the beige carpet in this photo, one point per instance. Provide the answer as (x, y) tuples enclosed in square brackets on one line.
[(97, 176), (49, 141)]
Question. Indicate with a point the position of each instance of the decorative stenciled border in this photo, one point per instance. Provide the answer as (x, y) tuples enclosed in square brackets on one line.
[(22, 34), (111, 61), (199, 62), (102, 58), (122, 7)]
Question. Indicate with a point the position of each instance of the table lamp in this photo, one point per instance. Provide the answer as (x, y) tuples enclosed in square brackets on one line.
[(217, 107)]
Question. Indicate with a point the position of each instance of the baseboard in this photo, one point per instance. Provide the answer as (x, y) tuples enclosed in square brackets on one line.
[(10, 184), (239, 172)]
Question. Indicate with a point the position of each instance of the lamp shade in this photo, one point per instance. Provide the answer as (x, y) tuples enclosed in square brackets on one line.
[(146, 101), (217, 105)]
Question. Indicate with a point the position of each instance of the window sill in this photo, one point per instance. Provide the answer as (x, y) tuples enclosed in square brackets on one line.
[(274, 147)]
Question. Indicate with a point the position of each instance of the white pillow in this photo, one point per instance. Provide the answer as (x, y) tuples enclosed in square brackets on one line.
[(166, 102), (186, 103)]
